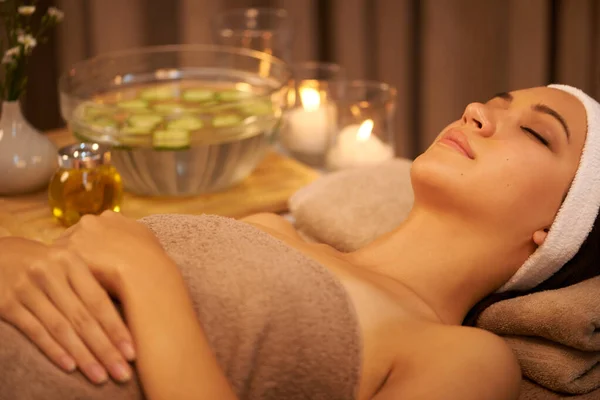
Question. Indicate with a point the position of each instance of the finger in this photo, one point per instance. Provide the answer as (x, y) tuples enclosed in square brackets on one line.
[(66, 233), (62, 331), (87, 327), (98, 303), (31, 327)]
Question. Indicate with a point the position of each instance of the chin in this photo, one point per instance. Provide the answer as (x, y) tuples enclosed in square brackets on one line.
[(441, 176)]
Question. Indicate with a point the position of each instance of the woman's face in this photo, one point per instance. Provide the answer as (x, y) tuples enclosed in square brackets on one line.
[(506, 164)]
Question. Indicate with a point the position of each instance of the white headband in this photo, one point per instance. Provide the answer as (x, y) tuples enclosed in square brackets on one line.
[(576, 216)]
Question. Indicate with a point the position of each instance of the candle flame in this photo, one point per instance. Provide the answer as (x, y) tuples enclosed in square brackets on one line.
[(311, 99), (364, 131)]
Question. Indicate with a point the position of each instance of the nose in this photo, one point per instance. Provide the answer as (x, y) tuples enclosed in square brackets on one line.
[(478, 116)]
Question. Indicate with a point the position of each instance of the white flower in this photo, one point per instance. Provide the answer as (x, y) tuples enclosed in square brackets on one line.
[(10, 55), (55, 13), (27, 41), (26, 10)]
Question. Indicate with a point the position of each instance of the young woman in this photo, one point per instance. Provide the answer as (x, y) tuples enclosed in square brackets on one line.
[(487, 197)]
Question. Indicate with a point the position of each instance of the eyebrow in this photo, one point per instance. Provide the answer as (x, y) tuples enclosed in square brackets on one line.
[(504, 95), (542, 108), (547, 110)]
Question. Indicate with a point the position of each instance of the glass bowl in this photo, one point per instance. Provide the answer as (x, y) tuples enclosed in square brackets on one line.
[(181, 119)]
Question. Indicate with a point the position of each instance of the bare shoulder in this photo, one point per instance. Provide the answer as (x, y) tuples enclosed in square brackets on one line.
[(451, 363)]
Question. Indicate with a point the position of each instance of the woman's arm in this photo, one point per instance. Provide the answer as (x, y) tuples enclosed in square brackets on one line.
[(174, 359)]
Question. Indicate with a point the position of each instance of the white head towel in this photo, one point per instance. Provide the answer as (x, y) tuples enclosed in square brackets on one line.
[(576, 216)]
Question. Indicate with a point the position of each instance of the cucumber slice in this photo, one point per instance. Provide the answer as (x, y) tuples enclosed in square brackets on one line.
[(133, 104), (185, 123), (210, 104), (140, 111), (157, 93), (136, 130), (198, 95), (171, 139), (169, 108), (144, 121), (225, 120), (93, 111), (257, 108), (233, 95), (104, 122)]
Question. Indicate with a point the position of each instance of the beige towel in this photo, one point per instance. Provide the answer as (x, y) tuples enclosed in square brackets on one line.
[(281, 326), (350, 208), (531, 391), (557, 367), (570, 316)]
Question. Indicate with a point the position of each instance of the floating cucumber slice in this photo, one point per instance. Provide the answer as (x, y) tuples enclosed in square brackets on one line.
[(171, 139), (185, 123), (168, 108), (144, 121), (157, 93), (91, 112), (136, 130), (140, 111), (198, 95), (104, 122), (133, 104), (211, 103), (257, 108), (233, 95), (226, 120)]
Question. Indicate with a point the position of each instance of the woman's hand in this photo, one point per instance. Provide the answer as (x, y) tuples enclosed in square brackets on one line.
[(116, 248), (49, 293)]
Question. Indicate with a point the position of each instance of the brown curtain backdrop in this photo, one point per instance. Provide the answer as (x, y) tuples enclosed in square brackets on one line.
[(440, 54)]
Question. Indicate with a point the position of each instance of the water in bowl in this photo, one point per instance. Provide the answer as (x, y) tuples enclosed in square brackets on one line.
[(182, 137)]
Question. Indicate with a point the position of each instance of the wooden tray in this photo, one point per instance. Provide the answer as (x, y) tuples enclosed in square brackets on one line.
[(267, 189)]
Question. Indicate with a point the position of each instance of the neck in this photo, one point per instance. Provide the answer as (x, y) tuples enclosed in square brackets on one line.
[(448, 263)]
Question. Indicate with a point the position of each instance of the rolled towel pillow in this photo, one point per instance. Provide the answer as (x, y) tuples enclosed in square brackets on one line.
[(350, 208), (531, 391), (555, 367), (569, 316)]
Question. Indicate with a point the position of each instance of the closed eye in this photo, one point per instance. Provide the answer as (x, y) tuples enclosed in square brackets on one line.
[(536, 135)]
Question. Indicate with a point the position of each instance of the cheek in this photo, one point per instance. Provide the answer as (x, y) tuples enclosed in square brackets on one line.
[(521, 186), (506, 186)]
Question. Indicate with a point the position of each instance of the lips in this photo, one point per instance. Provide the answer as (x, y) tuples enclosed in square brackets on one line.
[(459, 141)]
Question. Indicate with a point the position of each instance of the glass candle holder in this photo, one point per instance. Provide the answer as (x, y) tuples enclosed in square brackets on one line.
[(365, 136), (268, 30), (84, 183), (310, 121)]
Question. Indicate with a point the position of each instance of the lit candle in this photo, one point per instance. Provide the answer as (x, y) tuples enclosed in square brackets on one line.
[(357, 146), (309, 128)]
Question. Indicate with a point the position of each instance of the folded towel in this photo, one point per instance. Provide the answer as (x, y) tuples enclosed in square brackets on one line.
[(531, 391), (557, 367), (348, 209), (280, 324), (570, 316)]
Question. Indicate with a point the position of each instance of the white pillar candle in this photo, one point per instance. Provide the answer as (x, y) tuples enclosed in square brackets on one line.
[(357, 146), (309, 128)]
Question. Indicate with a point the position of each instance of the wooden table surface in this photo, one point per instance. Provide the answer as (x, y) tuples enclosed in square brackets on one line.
[(267, 189)]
